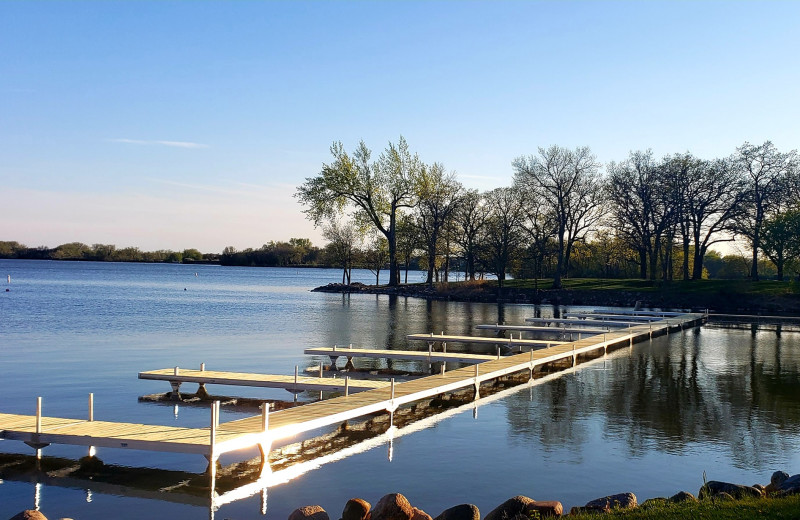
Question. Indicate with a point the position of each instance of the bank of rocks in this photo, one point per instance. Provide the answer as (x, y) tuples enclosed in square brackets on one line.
[(395, 506)]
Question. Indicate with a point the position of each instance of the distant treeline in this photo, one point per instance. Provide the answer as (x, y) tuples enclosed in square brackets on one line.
[(103, 253)]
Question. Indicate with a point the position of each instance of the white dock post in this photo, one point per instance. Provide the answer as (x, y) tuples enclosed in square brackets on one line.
[(91, 407), (531, 367), (477, 385), (216, 414), (346, 386), (38, 415), (498, 352), (321, 369), (202, 367), (177, 371), (265, 416), (443, 365), (296, 368)]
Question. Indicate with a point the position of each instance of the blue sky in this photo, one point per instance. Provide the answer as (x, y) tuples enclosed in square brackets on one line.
[(169, 125)]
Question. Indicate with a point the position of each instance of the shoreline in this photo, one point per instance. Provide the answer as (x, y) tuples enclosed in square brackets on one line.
[(668, 296)]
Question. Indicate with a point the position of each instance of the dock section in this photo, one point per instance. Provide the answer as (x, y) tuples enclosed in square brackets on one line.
[(39, 431)]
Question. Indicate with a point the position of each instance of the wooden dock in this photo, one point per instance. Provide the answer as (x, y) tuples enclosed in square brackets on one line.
[(444, 339), (176, 376), (412, 355), (39, 431), (534, 329)]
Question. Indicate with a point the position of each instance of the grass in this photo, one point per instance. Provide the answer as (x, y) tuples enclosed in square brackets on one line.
[(732, 287), (783, 508)]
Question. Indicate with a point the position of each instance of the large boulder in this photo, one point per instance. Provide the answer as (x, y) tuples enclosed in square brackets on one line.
[(356, 509), (29, 514), (791, 485), (606, 504), (510, 509), (778, 478), (393, 506), (460, 512), (309, 513), (714, 487)]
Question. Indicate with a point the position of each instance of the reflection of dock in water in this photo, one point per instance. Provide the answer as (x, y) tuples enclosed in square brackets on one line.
[(754, 323), (243, 480), (261, 431)]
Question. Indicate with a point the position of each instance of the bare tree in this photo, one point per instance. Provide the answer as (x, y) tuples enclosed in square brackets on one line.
[(568, 181), (470, 221), (769, 175), (502, 233), (343, 241)]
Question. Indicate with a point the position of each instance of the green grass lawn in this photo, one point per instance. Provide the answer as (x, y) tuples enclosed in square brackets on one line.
[(732, 287), (784, 508)]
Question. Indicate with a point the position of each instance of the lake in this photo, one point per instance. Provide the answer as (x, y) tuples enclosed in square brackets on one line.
[(651, 419)]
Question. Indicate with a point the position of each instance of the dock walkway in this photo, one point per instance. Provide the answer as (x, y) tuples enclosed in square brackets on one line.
[(296, 383), (444, 339), (261, 431), (413, 355)]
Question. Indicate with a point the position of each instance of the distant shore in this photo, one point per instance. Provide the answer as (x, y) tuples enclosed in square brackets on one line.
[(722, 296)]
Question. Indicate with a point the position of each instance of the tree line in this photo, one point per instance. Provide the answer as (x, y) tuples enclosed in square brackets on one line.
[(565, 214)]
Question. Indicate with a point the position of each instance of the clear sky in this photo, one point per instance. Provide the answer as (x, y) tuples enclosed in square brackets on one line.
[(170, 125)]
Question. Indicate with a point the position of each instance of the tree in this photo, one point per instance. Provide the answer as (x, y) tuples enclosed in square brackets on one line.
[(470, 220), (438, 195), (375, 191), (768, 173), (376, 255), (343, 240), (569, 182), (502, 233), (780, 239)]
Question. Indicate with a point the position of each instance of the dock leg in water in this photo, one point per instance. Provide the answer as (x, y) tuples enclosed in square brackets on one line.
[(334, 368), (175, 395)]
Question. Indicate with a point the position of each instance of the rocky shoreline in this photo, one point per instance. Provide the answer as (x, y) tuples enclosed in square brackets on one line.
[(395, 506), (487, 292)]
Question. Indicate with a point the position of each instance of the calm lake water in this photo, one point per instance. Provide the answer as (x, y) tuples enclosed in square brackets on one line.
[(649, 420)]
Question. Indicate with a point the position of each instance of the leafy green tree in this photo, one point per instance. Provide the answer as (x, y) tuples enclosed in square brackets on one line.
[(375, 191), (343, 241), (780, 239), (503, 233), (192, 255), (439, 195), (470, 221), (71, 251)]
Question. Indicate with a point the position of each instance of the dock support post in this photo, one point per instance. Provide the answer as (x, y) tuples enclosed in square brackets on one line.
[(346, 386), (38, 415), (212, 452), (476, 384), (35, 443), (443, 367), (92, 450), (531, 367), (321, 369), (265, 445)]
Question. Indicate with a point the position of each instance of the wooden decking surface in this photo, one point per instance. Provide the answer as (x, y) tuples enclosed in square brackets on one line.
[(286, 423), (411, 355), (539, 329), (444, 338), (316, 384)]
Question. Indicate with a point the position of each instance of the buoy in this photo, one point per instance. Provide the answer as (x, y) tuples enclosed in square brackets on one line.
[(195, 274), (184, 288), (9, 278)]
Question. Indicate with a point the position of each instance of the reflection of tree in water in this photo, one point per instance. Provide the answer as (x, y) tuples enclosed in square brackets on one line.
[(688, 389), (549, 413)]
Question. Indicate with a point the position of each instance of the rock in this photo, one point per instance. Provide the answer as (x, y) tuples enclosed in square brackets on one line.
[(510, 508), (683, 496), (790, 485), (713, 487), (544, 508), (778, 478), (723, 497), (419, 514), (356, 509), (29, 514), (460, 512), (760, 488), (393, 506), (606, 504), (309, 513)]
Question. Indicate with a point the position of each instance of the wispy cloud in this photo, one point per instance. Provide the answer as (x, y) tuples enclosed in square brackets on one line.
[(174, 144)]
